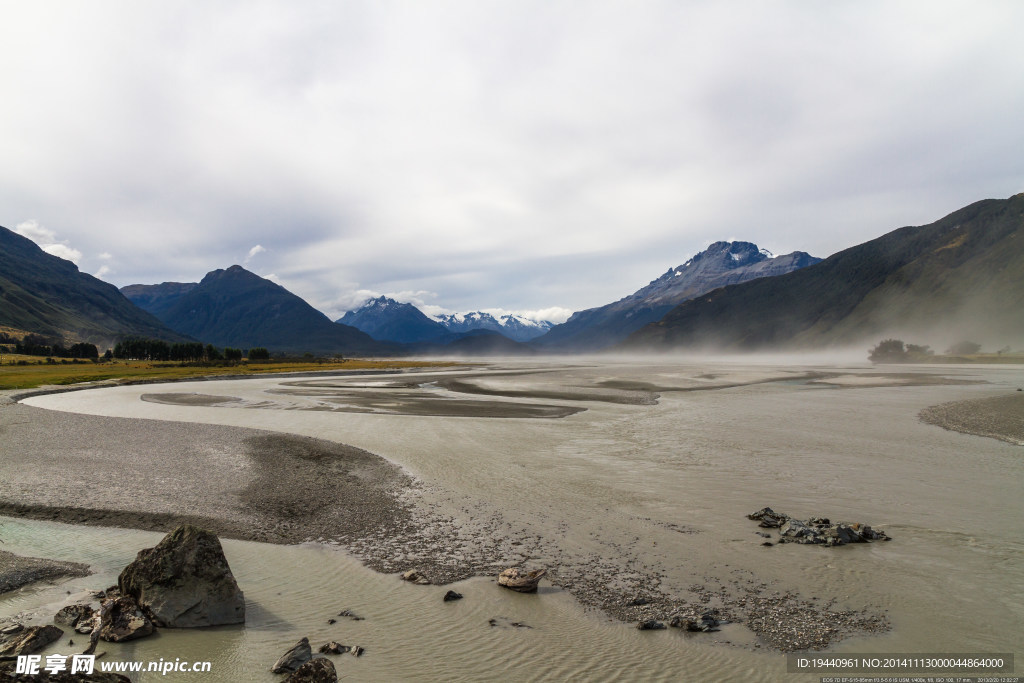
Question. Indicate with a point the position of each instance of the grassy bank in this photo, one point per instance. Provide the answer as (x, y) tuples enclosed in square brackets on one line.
[(36, 374)]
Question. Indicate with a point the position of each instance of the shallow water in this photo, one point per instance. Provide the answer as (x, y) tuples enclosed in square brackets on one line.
[(655, 489)]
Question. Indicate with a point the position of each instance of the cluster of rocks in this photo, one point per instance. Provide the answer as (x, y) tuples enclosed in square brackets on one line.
[(704, 622), (182, 582), (303, 667), (815, 530)]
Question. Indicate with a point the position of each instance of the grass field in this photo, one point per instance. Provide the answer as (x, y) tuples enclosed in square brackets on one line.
[(39, 373)]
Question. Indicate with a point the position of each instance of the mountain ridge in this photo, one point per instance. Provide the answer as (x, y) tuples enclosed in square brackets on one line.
[(48, 295), (720, 264), (235, 307), (961, 276)]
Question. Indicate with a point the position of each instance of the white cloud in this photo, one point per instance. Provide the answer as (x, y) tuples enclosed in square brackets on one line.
[(258, 249), (36, 232), (47, 241), (102, 272), (513, 153)]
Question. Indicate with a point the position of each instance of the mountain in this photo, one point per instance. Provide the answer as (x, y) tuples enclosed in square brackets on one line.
[(157, 298), (237, 308), (386, 319), (961, 277), (721, 264), (47, 295), (514, 327)]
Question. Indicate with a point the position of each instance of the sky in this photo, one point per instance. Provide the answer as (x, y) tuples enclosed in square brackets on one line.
[(530, 157)]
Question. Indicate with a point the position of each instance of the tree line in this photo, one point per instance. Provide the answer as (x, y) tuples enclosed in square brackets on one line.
[(141, 348), (36, 345)]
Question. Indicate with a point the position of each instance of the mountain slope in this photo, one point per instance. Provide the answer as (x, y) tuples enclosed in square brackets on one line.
[(48, 295), (386, 319), (721, 264), (960, 277), (237, 308), (157, 298)]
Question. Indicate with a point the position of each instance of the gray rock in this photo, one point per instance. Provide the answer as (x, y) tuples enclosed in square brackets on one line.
[(452, 595), (291, 660), (25, 641), (414, 576), (125, 621), (821, 531), (703, 623), (334, 648), (519, 581), (72, 615), (185, 581), (319, 670), (7, 673), (650, 625)]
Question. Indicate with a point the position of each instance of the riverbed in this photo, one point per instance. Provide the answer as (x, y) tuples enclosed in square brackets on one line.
[(629, 480)]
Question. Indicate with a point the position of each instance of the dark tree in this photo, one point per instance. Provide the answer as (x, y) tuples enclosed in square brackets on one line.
[(888, 351), (964, 348)]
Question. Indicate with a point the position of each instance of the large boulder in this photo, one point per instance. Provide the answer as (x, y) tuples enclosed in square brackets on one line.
[(185, 581), (319, 670)]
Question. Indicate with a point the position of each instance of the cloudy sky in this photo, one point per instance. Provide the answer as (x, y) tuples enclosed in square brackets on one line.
[(525, 156)]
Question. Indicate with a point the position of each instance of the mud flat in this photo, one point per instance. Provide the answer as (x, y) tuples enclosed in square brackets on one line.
[(634, 497), (998, 417)]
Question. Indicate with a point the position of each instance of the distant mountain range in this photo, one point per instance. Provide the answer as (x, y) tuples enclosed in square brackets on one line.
[(237, 308), (961, 277), (721, 264), (386, 319), (47, 295), (515, 327)]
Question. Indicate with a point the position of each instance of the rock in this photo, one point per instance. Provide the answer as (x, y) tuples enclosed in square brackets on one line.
[(821, 531), (650, 625), (350, 614), (334, 648), (317, 670), (637, 602), (356, 651), (766, 512), (414, 576), (768, 544), (291, 660), (7, 673), (704, 623), (185, 581), (521, 582), (72, 615), (125, 621), (452, 595), (25, 641), (763, 534)]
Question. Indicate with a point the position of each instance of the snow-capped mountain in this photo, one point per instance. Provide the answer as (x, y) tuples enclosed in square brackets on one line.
[(514, 327), (386, 319), (721, 264)]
